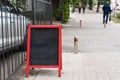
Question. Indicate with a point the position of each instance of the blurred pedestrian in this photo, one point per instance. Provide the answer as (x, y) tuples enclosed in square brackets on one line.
[(110, 15), (106, 11), (115, 10), (83, 7), (79, 8)]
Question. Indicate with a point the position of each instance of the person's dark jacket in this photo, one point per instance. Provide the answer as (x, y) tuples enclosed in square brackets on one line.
[(106, 9)]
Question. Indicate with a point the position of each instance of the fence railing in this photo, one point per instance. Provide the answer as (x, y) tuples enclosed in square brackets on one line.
[(42, 11), (13, 26), (13, 31)]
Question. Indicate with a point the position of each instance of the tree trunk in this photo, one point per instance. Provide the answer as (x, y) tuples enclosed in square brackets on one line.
[(91, 4), (98, 6)]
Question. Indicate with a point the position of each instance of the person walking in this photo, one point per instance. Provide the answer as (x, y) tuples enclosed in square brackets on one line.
[(106, 11), (79, 8), (83, 7)]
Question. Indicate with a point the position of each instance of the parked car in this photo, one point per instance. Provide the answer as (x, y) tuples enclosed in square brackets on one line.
[(13, 27)]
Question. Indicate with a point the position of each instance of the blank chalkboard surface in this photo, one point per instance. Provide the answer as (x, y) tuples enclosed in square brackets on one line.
[(44, 46)]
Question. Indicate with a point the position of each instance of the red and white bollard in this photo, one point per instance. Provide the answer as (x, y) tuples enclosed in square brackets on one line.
[(80, 23), (75, 45)]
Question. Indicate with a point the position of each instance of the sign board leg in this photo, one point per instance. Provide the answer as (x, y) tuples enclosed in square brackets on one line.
[(60, 61), (61, 64), (59, 72), (27, 71)]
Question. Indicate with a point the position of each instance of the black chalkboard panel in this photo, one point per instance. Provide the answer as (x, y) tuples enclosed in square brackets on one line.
[(44, 46)]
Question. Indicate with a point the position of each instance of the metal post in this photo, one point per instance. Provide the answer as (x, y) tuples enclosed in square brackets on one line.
[(0, 67), (33, 11), (51, 12), (62, 11), (3, 55), (75, 45), (80, 23)]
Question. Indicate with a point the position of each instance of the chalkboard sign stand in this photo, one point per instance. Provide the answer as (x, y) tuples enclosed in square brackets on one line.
[(53, 30)]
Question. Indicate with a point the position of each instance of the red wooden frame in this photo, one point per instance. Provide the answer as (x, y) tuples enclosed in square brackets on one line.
[(59, 66)]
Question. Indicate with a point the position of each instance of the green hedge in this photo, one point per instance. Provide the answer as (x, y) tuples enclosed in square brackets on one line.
[(58, 13), (118, 15), (66, 12)]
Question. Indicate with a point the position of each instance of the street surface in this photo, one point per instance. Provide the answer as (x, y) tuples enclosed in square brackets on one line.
[(99, 51)]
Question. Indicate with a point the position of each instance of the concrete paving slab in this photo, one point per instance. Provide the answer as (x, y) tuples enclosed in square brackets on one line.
[(99, 50)]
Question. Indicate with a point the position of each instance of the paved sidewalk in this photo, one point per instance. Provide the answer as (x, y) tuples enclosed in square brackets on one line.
[(99, 51)]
